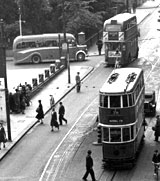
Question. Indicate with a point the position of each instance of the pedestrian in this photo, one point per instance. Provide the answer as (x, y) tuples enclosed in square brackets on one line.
[(89, 167), (61, 113), (2, 135), (52, 101), (78, 82), (155, 160), (54, 120), (23, 104), (40, 113), (99, 44), (157, 128)]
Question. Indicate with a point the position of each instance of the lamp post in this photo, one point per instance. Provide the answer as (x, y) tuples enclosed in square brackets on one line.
[(65, 42), (4, 98), (20, 22)]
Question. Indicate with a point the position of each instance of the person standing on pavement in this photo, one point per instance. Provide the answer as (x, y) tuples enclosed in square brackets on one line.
[(52, 101), (40, 113), (157, 128), (61, 113), (2, 135), (78, 82), (99, 44), (89, 167), (54, 120)]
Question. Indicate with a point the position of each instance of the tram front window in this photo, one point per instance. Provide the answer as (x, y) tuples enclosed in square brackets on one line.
[(115, 101), (115, 134)]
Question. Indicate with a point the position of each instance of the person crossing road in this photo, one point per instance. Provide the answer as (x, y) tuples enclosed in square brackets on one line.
[(61, 113)]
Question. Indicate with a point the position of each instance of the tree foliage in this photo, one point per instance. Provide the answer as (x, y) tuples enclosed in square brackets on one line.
[(48, 16)]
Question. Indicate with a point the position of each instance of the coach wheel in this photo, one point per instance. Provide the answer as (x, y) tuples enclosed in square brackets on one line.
[(80, 56), (36, 59)]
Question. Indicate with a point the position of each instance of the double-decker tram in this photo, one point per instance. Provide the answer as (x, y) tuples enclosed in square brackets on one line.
[(121, 115), (120, 37)]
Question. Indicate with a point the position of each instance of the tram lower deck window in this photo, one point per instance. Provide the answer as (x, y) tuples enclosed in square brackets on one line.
[(115, 134), (106, 134), (126, 134)]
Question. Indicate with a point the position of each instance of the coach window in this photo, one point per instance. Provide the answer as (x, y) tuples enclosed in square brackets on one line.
[(106, 134), (115, 101), (126, 134), (115, 134)]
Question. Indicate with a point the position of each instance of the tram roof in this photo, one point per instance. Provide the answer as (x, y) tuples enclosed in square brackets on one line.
[(119, 84), (120, 18)]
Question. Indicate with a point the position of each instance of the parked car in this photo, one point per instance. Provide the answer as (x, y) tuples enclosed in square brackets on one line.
[(150, 103)]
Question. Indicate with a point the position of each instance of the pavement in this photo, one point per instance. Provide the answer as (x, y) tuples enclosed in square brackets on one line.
[(21, 124)]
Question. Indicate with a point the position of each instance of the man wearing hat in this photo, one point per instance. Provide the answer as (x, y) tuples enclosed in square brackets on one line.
[(89, 167)]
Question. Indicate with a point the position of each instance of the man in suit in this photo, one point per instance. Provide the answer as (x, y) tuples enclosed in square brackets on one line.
[(89, 167), (61, 113)]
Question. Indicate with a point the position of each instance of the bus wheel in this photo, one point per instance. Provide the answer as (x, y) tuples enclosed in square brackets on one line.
[(36, 59), (80, 56)]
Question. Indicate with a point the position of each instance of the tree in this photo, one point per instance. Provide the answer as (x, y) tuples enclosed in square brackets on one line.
[(35, 13), (8, 11)]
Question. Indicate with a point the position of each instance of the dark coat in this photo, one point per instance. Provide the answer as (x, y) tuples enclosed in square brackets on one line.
[(89, 161), (157, 128), (54, 120), (2, 135), (61, 110), (40, 113), (155, 158)]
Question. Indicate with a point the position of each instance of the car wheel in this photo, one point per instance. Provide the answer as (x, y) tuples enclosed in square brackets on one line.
[(36, 59), (80, 56)]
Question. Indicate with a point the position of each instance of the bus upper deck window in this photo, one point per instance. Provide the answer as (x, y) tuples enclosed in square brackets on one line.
[(115, 134), (115, 101)]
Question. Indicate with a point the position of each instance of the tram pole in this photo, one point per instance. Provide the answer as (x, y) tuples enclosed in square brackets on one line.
[(4, 97)]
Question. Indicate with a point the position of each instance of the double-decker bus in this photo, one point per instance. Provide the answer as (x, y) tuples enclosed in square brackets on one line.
[(46, 47), (120, 37), (121, 115)]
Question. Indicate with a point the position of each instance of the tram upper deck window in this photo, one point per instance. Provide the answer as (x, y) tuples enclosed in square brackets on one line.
[(125, 101), (115, 101), (115, 134), (106, 134), (103, 100)]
